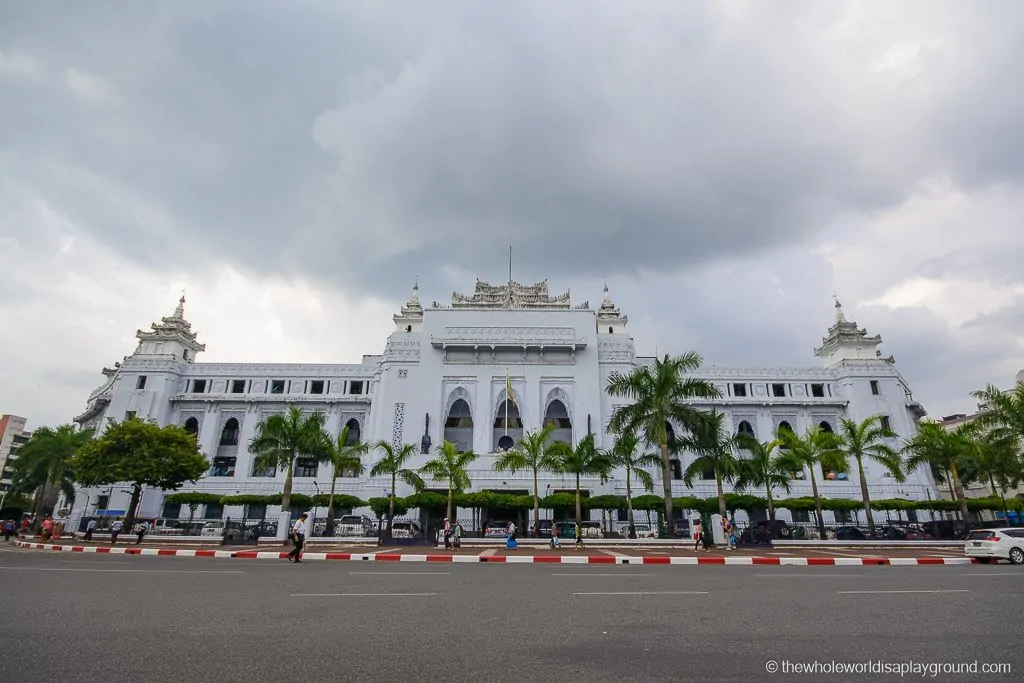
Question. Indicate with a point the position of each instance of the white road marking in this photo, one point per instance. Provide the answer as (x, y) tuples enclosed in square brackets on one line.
[(825, 575), (361, 595), (893, 592), (648, 593), (400, 573), (615, 574), (1009, 573), (139, 571)]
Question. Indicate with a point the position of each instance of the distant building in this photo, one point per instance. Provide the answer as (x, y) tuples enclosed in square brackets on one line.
[(12, 437), (479, 372)]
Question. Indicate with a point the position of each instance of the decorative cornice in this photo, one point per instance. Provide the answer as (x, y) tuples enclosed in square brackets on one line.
[(623, 351), (324, 399), (277, 370), (401, 351)]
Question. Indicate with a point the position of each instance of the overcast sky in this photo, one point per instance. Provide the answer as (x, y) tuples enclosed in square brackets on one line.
[(727, 166)]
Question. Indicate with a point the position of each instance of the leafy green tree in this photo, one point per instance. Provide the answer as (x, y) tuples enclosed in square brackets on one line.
[(193, 499), (43, 467), (868, 440), (815, 447), (949, 451), (584, 460), (625, 453), (280, 439), (345, 457), (392, 464), (1005, 410), (715, 448), (764, 468), (660, 393), (450, 465), (140, 453), (997, 455), (535, 453)]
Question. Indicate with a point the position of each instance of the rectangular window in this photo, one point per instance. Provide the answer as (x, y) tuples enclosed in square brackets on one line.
[(238, 386), (305, 467), (277, 386), (355, 387), (708, 475), (739, 389), (874, 387), (214, 511), (316, 387), (258, 471), (130, 415), (677, 469), (199, 386), (818, 390), (102, 502), (886, 423), (171, 511), (255, 511), (778, 390), (223, 467), (141, 382), (844, 517), (801, 516)]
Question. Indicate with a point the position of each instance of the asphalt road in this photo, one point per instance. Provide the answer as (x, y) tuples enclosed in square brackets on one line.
[(155, 619)]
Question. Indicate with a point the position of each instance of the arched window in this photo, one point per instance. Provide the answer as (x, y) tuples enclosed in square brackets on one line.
[(192, 426), (408, 328), (557, 417), (785, 426), (745, 428), (611, 330), (826, 427), (458, 425), (507, 430), (229, 436), (354, 434)]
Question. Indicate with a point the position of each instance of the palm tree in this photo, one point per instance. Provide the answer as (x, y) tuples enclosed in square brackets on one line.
[(947, 450), (998, 458), (584, 460), (392, 464), (346, 458), (43, 465), (624, 454), (450, 465), (535, 452), (660, 393), (764, 468), (815, 447), (715, 448), (1005, 410), (282, 438), (867, 439)]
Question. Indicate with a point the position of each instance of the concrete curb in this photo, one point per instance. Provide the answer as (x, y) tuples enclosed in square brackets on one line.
[(511, 559)]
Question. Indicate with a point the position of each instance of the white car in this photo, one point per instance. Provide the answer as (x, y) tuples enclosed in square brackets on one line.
[(996, 544), (642, 531)]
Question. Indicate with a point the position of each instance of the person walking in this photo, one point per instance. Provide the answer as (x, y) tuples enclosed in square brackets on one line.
[(554, 535), (140, 530), (447, 533), (458, 535), (298, 539), (8, 530), (578, 533), (698, 536), (47, 529), (89, 529), (727, 529), (115, 530)]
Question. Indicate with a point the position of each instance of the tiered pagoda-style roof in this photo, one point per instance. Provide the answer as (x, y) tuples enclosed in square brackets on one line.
[(847, 335), (511, 295), (173, 329)]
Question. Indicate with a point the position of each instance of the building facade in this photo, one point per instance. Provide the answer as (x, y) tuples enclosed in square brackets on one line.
[(479, 372), (12, 437)]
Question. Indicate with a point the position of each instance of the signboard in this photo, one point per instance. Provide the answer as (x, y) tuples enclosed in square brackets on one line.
[(110, 513)]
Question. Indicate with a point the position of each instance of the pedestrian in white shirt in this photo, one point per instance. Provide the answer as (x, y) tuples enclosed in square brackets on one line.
[(298, 538)]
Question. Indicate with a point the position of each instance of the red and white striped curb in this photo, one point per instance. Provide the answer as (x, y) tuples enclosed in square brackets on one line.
[(509, 559)]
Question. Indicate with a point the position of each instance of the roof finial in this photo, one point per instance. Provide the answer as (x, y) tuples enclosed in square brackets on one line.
[(840, 317), (415, 290), (607, 296), (179, 312)]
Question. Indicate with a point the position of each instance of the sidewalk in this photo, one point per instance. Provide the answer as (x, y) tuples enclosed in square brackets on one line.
[(717, 557)]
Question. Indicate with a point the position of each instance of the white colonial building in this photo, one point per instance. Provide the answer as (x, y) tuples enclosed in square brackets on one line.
[(445, 373)]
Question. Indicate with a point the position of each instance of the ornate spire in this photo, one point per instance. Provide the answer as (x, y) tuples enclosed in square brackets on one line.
[(609, 312), (179, 312), (415, 291), (840, 316), (172, 335), (847, 341), (412, 312)]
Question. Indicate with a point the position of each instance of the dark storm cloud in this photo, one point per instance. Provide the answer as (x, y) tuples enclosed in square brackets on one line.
[(591, 136)]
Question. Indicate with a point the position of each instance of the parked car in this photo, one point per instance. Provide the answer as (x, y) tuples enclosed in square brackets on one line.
[(642, 530), (217, 528), (406, 530), (354, 525), (767, 530), (494, 529), (996, 544), (851, 533), (904, 533)]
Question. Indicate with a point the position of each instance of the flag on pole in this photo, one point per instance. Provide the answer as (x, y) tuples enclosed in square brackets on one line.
[(508, 397)]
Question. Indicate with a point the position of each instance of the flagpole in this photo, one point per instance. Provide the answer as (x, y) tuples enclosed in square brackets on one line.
[(508, 397)]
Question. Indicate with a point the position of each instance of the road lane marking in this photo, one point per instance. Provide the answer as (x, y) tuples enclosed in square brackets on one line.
[(1008, 573), (615, 574), (400, 573), (960, 590), (361, 595), (131, 571), (826, 575), (647, 593)]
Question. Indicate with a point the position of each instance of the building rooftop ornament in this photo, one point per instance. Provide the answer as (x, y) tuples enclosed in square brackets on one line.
[(846, 341), (511, 295), (174, 329), (608, 311)]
